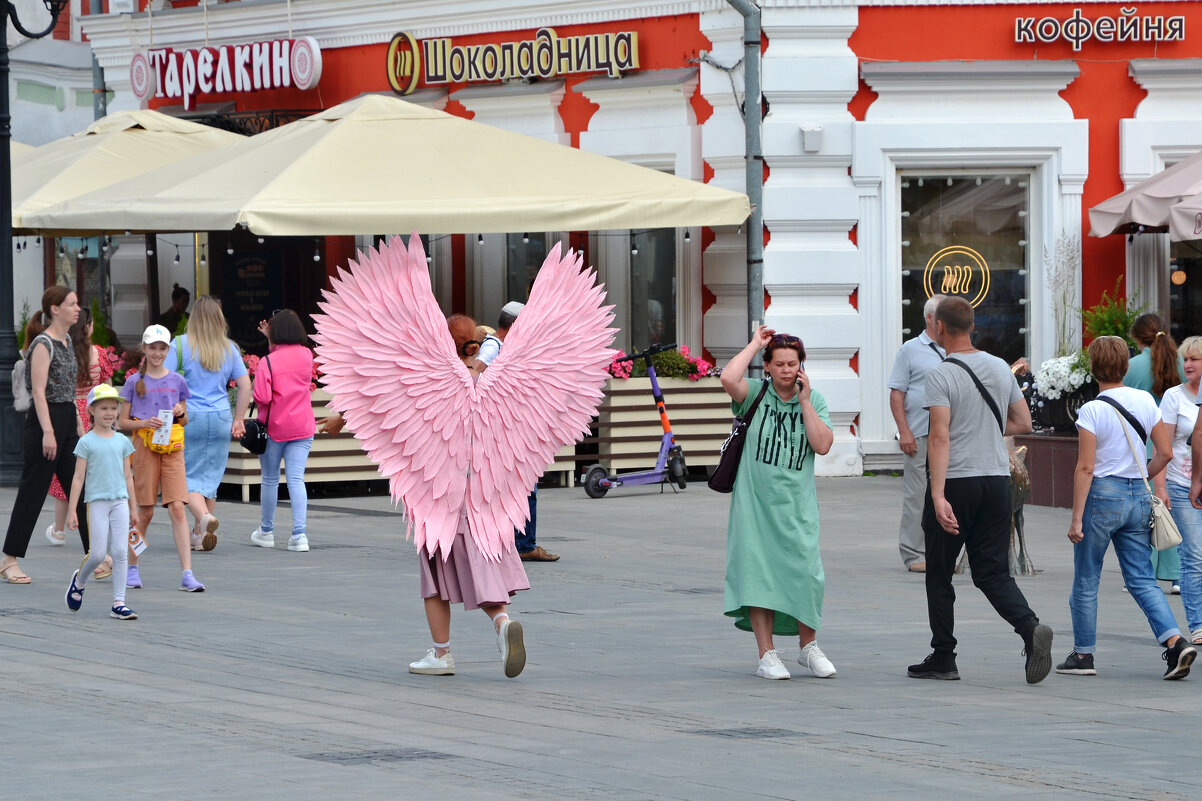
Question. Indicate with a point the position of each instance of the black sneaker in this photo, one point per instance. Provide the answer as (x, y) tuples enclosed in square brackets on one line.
[(1077, 665), (935, 666), (1179, 657), (1038, 650)]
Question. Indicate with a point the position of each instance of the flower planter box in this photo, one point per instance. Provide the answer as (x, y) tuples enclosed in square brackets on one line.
[(335, 458), (1051, 461), (629, 429)]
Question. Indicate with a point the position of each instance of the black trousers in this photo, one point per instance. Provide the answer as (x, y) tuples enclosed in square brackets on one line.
[(982, 507), (38, 473)]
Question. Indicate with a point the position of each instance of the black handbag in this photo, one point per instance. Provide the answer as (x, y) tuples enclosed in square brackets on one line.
[(723, 477), (254, 438)]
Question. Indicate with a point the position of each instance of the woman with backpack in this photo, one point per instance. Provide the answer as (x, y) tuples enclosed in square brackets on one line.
[(52, 425)]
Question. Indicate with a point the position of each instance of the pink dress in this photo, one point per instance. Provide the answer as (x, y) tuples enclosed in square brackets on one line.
[(467, 577), (100, 372)]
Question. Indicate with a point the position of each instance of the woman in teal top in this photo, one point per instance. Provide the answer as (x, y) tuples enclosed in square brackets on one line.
[(1155, 369), (774, 578)]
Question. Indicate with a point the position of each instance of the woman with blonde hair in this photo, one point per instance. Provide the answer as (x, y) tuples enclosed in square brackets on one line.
[(1179, 411), (208, 361)]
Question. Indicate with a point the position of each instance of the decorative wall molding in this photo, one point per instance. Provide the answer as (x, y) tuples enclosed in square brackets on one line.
[(341, 23)]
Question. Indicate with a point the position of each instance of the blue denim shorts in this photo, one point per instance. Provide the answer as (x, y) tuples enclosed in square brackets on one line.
[(206, 450)]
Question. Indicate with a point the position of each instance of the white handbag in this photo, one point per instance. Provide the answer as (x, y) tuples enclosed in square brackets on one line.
[(1164, 529)]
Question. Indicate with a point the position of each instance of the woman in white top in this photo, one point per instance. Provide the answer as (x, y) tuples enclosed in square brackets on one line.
[(1111, 504), (1179, 411)]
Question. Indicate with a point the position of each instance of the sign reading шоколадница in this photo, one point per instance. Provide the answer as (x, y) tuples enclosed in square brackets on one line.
[(276, 64)]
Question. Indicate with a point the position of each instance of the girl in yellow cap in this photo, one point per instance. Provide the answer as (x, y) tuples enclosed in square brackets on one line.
[(102, 472)]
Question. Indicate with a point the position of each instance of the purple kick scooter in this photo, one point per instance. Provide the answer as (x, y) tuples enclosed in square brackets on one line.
[(669, 465)]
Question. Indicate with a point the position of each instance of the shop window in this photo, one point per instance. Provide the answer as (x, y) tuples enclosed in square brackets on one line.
[(524, 255), (652, 287), (1185, 289), (967, 235)]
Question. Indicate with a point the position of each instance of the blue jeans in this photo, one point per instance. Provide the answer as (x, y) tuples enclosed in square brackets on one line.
[(294, 453), (525, 541), (1117, 510), (1189, 522)]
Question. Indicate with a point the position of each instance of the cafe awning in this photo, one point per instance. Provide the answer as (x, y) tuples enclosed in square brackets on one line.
[(1152, 205), (112, 149), (377, 164)]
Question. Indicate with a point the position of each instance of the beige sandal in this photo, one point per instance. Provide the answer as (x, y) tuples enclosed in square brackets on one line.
[(6, 574)]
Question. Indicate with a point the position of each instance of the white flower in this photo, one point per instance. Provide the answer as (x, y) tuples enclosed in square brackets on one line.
[(1056, 377)]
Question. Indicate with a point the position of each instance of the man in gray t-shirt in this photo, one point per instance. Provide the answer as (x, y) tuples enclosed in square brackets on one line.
[(968, 501), (907, 403)]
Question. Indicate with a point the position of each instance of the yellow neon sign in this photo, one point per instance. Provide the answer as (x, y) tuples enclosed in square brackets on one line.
[(960, 271)]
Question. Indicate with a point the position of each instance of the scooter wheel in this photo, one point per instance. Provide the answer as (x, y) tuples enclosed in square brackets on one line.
[(592, 481), (677, 471)]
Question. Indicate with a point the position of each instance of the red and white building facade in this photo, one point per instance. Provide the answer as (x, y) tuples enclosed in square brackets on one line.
[(908, 148)]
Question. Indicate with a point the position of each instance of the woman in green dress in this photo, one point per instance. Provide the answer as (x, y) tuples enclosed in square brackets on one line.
[(774, 578)]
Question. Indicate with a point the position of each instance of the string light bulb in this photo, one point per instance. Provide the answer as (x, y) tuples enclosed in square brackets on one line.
[(525, 239), (61, 251), (479, 239), (176, 259), (229, 249), (203, 261), (316, 251)]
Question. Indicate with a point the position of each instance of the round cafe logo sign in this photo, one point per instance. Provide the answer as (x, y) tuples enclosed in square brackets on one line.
[(959, 271)]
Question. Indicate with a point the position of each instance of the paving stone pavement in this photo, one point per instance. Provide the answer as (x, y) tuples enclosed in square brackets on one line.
[(288, 678)]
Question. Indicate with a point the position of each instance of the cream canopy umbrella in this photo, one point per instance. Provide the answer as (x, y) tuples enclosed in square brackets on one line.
[(19, 149), (112, 149), (1146, 206), (1185, 219), (378, 164)]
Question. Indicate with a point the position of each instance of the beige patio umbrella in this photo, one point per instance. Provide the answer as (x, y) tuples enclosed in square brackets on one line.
[(378, 164), (1185, 219), (112, 149), (1146, 206), (19, 150)]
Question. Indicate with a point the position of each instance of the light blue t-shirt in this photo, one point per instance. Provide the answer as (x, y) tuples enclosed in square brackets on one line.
[(105, 479), (210, 390)]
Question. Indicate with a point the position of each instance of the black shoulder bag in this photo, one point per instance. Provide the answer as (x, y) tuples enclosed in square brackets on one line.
[(723, 478), (1143, 435), (989, 401), (254, 438)]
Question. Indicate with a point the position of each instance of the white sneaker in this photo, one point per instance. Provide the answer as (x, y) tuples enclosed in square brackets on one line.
[(813, 658), (431, 665), (262, 540), (298, 543), (55, 537), (771, 667), (512, 647)]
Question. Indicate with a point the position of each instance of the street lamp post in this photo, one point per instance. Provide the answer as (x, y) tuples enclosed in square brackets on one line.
[(10, 420)]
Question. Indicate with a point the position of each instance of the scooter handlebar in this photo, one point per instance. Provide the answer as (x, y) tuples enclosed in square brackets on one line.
[(649, 352)]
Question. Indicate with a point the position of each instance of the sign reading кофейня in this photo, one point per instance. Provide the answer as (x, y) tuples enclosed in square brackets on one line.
[(277, 64), (547, 55)]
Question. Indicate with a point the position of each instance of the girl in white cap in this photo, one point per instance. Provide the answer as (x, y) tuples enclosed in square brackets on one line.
[(158, 389), (102, 472)]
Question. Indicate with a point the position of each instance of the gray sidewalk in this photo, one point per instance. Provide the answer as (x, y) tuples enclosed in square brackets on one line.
[(287, 679)]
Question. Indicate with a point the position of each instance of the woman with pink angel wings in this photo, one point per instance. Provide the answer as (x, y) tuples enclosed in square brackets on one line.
[(460, 449)]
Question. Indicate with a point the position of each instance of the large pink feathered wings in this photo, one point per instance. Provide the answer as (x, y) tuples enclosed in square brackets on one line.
[(442, 440)]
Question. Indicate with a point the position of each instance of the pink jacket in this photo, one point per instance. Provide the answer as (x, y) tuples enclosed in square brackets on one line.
[(282, 382)]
